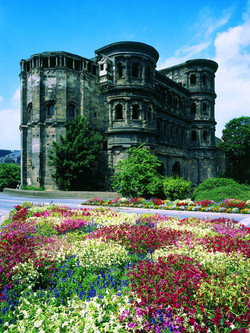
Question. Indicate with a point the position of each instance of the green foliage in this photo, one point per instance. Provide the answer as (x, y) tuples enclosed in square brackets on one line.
[(212, 183), (238, 191), (76, 157), (236, 145), (138, 174), (32, 188), (176, 188), (10, 175)]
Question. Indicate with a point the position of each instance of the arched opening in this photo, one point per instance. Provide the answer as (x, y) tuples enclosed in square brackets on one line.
[(193, 136), (193, 108), (204, 108), (176, 170), (204, 136), (71, 111), (120, 69), (50, 109), (193, 79), (135, 111), (118, 112), (149, 114), (135, 69), (204, 80)]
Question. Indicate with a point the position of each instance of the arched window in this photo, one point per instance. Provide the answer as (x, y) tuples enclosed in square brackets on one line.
[(118, 112), (29, 109), (50, 109), (135, 69), (120, 69), (204, 108), (204, 136), (193, 136), (176, 170), (148, 73), (193, 108), (135, 111), (204, 80), (149, 113), (193, 79), (71, 111)]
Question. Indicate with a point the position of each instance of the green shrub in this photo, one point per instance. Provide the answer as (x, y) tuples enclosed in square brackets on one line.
[(176, 188), (9, 175), (238, 191), (32, 188), (212, 183)]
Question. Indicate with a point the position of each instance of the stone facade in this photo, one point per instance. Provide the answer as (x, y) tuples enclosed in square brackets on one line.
[(126, 99)]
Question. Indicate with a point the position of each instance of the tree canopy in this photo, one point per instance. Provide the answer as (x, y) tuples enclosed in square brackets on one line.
[(236, 144), (138, 174), (10, 175), (76, 157)]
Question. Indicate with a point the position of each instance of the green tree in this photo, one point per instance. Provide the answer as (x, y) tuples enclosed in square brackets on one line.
[(138, 174), (236, 144), (76, 157), (10, 175)]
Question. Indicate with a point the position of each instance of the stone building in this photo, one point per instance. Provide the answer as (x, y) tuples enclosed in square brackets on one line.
[(126, 99)]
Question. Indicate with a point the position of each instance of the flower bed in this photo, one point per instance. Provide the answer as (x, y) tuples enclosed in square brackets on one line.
[(226, 206), (96, 270)]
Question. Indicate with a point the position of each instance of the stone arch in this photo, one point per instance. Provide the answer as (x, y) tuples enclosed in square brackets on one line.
[(176, 170)]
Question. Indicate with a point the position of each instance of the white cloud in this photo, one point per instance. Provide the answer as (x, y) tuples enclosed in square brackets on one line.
[(1, 98), (9, 125), (233, 76), (232, 53), (183, 54)]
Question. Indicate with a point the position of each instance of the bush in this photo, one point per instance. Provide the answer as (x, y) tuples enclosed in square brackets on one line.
[(176, 188), (10, 175), (32, 188), (212, 183), (238, 191)]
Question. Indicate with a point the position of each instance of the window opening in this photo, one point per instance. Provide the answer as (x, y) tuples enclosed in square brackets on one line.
[(45, 62), (50, 109), (70, 63), (204, 108), (193, 136), (204, 80), (193, 108), (52, 61), (204, 136), (120, 69), (71, 111), (29, 108), (135, 111), (135, 69), (119, 112), (193, 79)]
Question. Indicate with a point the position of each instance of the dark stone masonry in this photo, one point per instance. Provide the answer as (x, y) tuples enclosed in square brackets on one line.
[(127, 100)]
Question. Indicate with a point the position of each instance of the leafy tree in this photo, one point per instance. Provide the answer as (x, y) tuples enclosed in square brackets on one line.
[(76, 157), (10, 175), (236, 144), (138, 174)]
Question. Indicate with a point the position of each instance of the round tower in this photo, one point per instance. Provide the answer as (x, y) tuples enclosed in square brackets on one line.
[(126, 76), (200, 75)]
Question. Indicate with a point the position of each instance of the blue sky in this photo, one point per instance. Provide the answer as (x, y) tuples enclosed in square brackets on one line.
[(179, 30)]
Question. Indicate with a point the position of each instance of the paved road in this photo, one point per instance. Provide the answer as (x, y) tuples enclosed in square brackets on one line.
[(7, 202)]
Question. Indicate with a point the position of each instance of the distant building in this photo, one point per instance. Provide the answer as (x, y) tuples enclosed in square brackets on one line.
[(126, 99), (10, 156)]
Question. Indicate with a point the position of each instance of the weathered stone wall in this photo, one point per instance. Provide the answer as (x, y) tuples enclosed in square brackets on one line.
[(126, 100)]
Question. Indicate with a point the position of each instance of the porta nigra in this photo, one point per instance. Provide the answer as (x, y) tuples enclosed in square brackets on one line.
[(125, 99)]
